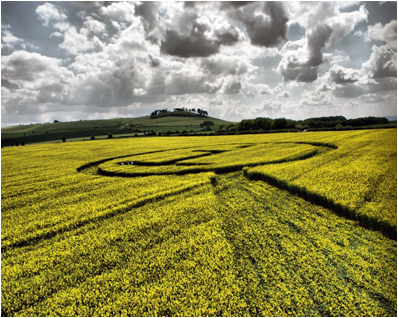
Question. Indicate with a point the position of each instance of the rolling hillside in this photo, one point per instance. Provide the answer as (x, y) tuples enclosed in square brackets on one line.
[(118, 127)]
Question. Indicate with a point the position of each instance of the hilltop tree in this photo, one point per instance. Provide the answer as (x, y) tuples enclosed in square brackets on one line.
[(159, 111), (202, 112)]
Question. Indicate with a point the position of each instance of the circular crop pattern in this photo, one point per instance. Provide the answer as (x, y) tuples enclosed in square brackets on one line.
[(219, 159)]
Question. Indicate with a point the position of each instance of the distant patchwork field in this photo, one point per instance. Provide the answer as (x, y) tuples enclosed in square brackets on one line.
[(289, 224)]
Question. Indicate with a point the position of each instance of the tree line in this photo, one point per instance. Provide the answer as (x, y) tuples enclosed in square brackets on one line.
[(182, 109), (262, 123), (338, 121), (331, 122)]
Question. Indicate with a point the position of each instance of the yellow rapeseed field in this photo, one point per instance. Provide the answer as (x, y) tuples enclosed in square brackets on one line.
[(294, 224), (358, 179)]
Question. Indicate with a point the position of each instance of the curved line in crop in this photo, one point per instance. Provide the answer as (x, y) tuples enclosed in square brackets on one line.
[(94, 169)]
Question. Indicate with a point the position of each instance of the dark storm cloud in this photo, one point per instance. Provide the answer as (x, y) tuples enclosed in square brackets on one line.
[(294, 67), (190, 40), (193, 45), (227, 37), (264, 30), (317, 39), (295, 71), (148, 10)]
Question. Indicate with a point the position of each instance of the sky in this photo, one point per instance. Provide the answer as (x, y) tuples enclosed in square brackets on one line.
[(238, 60)]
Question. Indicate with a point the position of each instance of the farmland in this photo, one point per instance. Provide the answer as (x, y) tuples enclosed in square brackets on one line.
[(85, 129), (294, 224)]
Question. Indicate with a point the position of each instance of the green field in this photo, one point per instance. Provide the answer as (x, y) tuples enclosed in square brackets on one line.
[(84, 129), (290, 224)]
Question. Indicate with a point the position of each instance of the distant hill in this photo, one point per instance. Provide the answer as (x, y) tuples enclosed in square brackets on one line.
[(118, 127), (171, 123)]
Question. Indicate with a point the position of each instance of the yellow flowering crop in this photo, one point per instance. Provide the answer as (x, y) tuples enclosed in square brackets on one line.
[(358, 180), (170, 242)]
